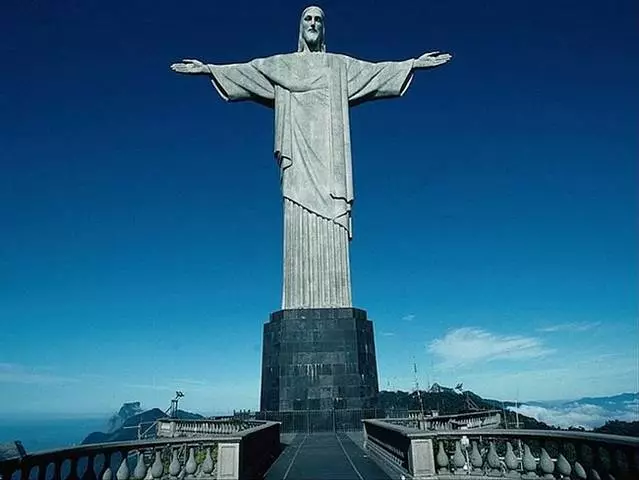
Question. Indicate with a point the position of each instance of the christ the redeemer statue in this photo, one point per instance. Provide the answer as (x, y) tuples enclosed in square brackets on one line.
[(311, 92)]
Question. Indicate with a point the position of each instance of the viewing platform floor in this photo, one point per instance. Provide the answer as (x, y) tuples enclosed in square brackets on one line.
[(330, 456)]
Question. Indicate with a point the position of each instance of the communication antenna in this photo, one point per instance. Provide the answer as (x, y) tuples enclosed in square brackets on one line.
[(419, 394), (174, 404), (517, 409), (172, 412)]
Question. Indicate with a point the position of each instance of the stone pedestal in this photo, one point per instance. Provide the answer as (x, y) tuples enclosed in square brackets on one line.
[(318, 359)]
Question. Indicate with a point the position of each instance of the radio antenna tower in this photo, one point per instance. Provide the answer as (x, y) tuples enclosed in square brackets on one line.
[(419, 394)]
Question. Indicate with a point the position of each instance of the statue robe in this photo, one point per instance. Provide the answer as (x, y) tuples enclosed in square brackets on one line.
[(311, 93)]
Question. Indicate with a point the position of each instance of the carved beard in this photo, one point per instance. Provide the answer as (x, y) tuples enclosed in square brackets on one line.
[(313, 40)]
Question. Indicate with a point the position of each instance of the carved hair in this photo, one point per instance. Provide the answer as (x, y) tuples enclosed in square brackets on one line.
[(301, 43)]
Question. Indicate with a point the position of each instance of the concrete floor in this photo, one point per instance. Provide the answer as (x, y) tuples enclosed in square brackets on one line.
[(318, 456)]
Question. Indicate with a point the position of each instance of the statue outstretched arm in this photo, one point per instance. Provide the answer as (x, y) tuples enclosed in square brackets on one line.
[(432, 59), (371, 81), (191, 67), (240, 81)]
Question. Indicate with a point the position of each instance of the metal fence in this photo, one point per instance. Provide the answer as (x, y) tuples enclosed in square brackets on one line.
[(311, 421)]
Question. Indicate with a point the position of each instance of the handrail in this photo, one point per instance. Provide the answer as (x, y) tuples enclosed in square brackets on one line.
[(490, 452), (155, 457)]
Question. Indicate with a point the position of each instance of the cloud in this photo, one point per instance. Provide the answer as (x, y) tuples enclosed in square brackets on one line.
[(570, 327), (387, 334), (579, 374), (408, 318), (15, 373), (466, 346), (174, 384), (576, 415)]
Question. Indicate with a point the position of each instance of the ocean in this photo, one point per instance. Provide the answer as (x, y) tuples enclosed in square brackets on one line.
[(49, 433)]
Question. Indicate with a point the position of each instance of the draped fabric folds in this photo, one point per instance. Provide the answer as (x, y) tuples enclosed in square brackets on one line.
[(311, 93), (316, 261)]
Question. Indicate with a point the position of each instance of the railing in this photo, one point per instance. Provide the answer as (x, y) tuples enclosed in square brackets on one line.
[(169, 427), (246, 454), (311, 421), (349, 420), (483, 419), (479, 454)]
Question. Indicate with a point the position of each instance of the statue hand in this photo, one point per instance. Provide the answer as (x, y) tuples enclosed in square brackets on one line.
[(432, 59), (192, 67)]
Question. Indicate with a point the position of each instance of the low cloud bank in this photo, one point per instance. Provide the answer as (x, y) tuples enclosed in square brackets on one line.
[(579, 415)]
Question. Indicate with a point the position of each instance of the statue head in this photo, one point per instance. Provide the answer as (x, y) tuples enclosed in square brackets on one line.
[(312, 34)]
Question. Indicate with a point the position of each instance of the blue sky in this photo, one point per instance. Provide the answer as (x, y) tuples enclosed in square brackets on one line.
[(140, 239)]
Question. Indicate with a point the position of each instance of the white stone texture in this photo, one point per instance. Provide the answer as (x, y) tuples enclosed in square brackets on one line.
[(311, 92)]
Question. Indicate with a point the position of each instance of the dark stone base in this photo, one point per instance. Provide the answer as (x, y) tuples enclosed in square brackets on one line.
[(318, 359)]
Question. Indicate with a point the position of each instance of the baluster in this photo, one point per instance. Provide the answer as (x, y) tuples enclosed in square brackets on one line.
[(57, 468), (545, 464), (157, 469), (586, 457), (106, 462), (493, 460), (620, 465), (458, 458), (563, 466), (139, 472), (580, 472), (442, 459), (89, 473), (174, 466), (107, 474), (207, 464), (594, 475), (529, 463), (73, 469), (191, 465), (25, 470), (603, 462), (123, 472), (475, 458), (511, 461)]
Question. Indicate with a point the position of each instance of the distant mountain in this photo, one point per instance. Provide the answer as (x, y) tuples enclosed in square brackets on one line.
[(128, 429), (617, 427), (615, 402), (586, 412), (126, 411)]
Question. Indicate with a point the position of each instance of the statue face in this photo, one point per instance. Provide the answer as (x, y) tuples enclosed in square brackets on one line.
[(313, 28)]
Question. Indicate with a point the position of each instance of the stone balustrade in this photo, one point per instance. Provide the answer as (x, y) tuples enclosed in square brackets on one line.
[(171, 427), (244, 454), (482, 419), (518, 454)]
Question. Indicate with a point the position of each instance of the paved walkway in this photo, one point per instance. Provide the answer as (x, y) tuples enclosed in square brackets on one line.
[(327, 456)]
